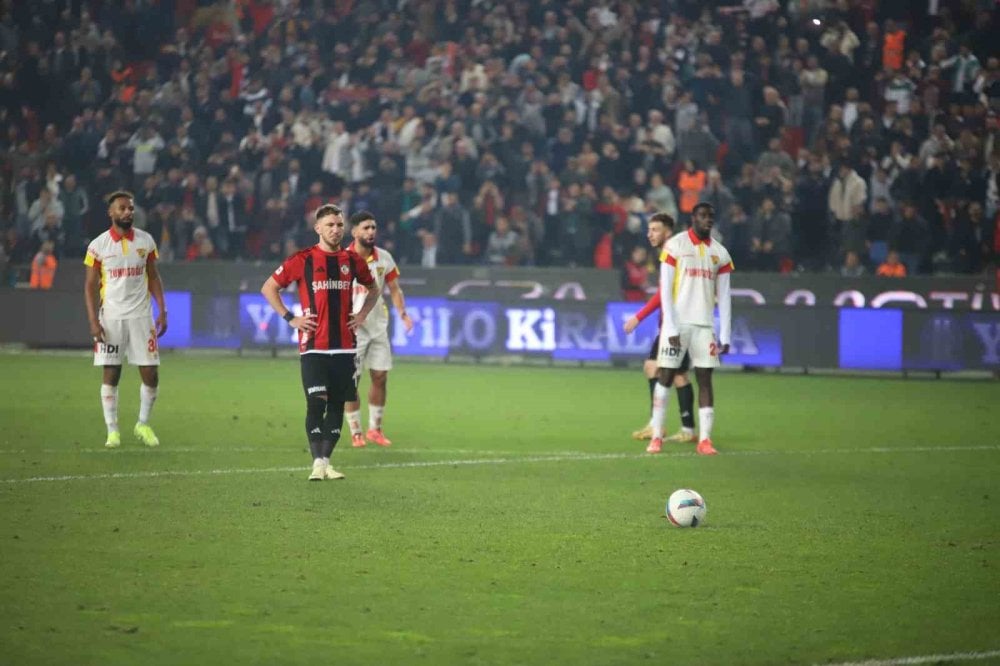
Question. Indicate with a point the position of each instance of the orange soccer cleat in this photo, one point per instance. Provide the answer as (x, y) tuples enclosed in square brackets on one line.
[(654, 445), (377, 437), (705, 448), (358, 441)]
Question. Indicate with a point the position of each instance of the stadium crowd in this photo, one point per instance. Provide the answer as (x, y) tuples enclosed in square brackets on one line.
[(854, 136)]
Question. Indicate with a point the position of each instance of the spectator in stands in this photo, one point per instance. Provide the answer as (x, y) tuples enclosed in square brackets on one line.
[(452, 231), (846, 201), (502, 245), (690, 182), (892, 266), (770, 237), (43, 266), (852, 268), (911, 239)]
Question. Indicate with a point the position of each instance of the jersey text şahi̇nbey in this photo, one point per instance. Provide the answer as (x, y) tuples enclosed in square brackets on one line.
[(325, 284)]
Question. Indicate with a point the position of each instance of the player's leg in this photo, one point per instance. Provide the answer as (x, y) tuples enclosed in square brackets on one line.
[(144, 352), (352, 408), (108, 355), (379, 364), (705, 357), (668, 361), (685, 401), (706, 411), (649, 370), (343, 387), (314, 384)]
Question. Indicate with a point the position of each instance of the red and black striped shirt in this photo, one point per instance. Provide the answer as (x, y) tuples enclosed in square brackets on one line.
[(325, 281)]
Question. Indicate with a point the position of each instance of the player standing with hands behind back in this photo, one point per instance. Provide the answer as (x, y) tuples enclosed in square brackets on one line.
[(694, 273), (121, 275), (325, 275), (374, 351)]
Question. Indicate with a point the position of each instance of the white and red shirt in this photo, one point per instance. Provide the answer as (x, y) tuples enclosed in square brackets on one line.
[(383, 268), (697, 265), (121, 260), (325, 284)]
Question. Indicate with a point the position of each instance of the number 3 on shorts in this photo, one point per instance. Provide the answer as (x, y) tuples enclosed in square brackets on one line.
[(151, 343), (712, 349)]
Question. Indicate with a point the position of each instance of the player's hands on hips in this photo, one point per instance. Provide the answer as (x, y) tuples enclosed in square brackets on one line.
[(355, 321), (161, 324), (674, 341), (407, 322), (306, 322), (631, 324), (97, 332)]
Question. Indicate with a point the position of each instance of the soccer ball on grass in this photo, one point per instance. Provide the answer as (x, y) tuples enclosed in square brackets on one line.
[(686, 508)]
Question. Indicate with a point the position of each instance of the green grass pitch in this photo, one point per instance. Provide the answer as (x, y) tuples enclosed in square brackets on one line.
[(512, 522)]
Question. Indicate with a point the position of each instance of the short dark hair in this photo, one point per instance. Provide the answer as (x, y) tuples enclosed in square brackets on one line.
[(665, 218), (361, 216), (118, 194), (702, 204), (327, 209)]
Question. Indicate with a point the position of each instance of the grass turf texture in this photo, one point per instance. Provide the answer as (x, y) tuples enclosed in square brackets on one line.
[(830, 536)]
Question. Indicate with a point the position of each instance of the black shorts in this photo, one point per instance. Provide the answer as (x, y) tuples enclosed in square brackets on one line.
[(654, 352), (336, 375)]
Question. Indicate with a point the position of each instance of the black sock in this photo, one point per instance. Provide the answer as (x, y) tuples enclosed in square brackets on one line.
[(314, 425), (332, 425), (325, 448), (652, 387), (315, 448), (685, 400)]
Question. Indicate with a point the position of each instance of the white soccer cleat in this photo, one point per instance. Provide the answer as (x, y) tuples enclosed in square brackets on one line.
[(318, 471), (333, 475)]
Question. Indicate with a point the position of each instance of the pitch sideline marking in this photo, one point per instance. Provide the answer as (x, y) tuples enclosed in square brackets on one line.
[(466, 462), (925, 659)]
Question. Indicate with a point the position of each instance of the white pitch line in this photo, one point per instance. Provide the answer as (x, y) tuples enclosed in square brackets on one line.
[(285, 448), (926, 659), (260, 470), (544, 457)]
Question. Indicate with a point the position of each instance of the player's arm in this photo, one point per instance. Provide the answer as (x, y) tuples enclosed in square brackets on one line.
[(92, 297), (396, 294), (156, 289), (272, 293), (725, 299), (651, 306), (668, 269), (364, 277)]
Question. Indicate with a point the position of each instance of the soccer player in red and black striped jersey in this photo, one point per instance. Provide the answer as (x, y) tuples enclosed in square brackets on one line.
[(325, 275)]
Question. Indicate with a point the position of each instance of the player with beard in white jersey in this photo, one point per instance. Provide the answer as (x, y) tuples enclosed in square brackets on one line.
[(121, 277), (374, 351)]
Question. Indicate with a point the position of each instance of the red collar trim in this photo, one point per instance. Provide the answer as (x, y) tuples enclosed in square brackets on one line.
[(694, 238), (374, 256), (115, 236)]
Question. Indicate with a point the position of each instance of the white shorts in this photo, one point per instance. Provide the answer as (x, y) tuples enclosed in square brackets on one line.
[(698, 341), (374, 352), (134, 337)]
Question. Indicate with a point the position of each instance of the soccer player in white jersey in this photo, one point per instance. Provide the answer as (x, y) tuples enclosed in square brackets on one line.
[(694, 275), (121, 275), (374, 351), (660, 229)]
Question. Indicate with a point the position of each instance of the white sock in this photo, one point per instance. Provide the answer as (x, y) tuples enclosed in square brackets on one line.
[(706, 415), (147, 396), (660, 393), (317, 461), (109, 401), (354, 421), (326, 461), (375, 417)]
